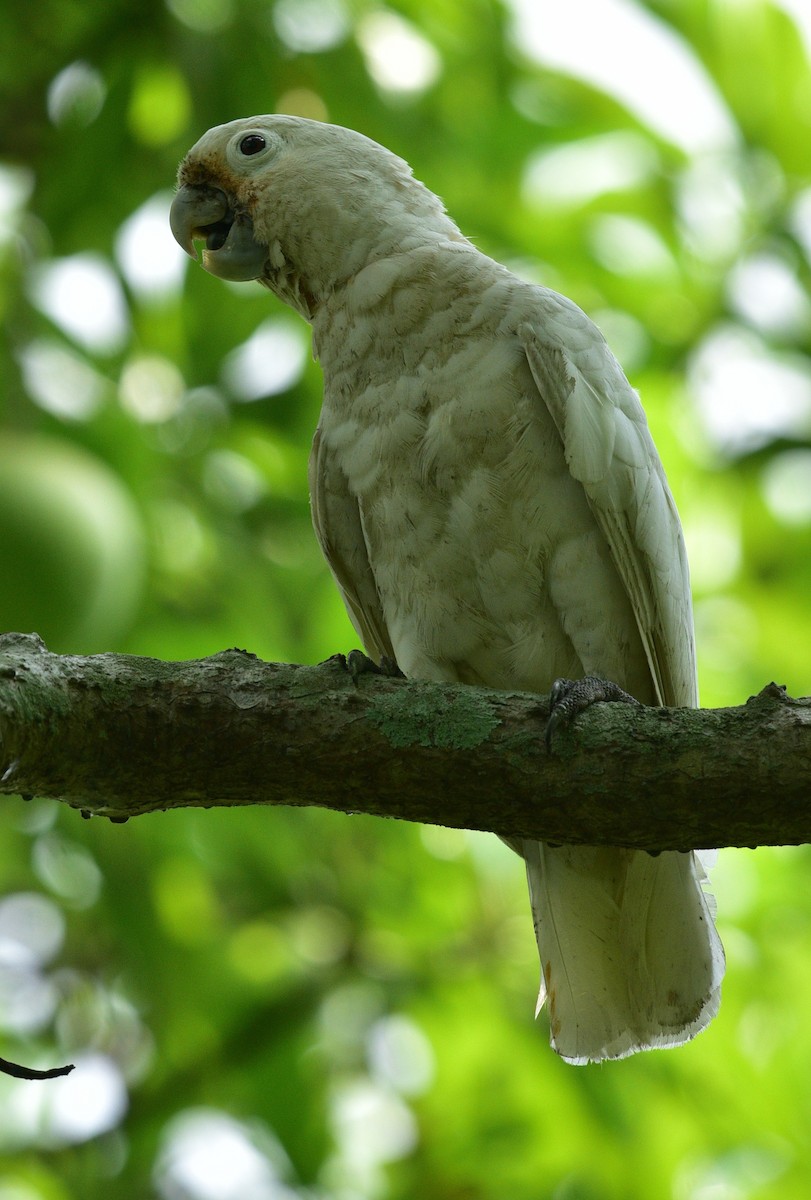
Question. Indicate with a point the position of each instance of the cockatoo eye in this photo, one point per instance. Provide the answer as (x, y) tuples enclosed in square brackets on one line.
[(252, 143)]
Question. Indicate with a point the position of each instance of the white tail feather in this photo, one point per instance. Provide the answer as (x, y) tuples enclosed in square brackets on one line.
[(630, 959)]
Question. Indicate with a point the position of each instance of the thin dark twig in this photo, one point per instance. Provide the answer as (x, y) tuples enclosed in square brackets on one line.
[(19, 1072)]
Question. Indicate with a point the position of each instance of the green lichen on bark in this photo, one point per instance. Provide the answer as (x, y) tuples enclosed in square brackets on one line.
[(435, 720)]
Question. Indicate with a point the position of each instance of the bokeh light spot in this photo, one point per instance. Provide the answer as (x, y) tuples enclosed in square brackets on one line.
[(16, 186), (32, 929), (260, 952), (302, 102), (160, 105), (714, 547), (185, 902), (232, 480), (398, 57), (765, 291), (82, 1105), (320, 934), (76, 95), (269, 362), (400, 1055), (629, 246), (747, 394), (787, 486), (578, 171), (311, 26), (372, 1125), (68, 869), (83, 296), (27, 1000), (151, 389), (59, 381), (206, 16), (207, 1155), (150, 259), (648, 64)]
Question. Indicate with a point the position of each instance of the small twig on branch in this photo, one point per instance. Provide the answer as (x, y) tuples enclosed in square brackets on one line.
[(118, 735), (10, 1068)]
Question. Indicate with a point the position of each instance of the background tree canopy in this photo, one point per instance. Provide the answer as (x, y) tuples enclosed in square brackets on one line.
[(265, 1005)]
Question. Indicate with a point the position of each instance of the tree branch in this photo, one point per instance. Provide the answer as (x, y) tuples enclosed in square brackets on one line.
[(119, 735)]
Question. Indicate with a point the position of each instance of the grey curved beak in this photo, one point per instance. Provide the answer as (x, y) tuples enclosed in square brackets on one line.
[(194, 210), (205, 213)]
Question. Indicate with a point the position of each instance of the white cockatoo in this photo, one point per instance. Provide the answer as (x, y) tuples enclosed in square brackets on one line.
[(489, 499)]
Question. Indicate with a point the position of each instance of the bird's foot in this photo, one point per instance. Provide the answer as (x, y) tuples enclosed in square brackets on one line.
[(569, 697), (358, 663)]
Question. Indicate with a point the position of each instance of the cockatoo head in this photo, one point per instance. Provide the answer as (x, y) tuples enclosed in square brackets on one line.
[(300, 205)]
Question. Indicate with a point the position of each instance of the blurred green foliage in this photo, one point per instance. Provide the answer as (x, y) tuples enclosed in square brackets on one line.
[(267, 1004)]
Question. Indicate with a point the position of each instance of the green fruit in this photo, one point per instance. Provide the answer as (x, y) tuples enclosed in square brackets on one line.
[(71, 545)]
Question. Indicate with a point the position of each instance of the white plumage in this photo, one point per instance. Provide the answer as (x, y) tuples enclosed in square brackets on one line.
[(488, 496)]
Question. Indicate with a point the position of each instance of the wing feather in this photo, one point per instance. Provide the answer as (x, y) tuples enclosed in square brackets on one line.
[(339, 528), (608, 448)]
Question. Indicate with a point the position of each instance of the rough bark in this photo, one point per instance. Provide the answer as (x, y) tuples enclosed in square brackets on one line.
[(119, 735)]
